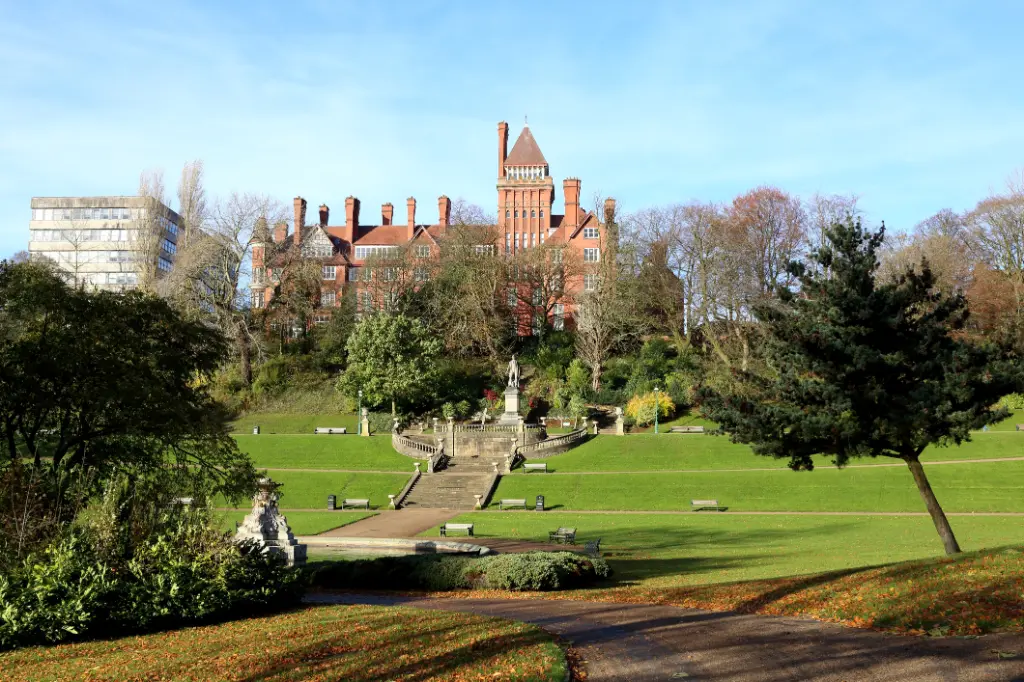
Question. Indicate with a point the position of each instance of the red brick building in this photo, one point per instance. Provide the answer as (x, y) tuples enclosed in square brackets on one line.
[(526, 196)]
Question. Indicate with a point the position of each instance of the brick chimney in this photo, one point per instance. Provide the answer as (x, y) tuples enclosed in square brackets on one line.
[(444, 210), (502, 147), (410, 204), (571, 191), (387, 213), (280, 232), (352, 216), (325, 215), (609, 211), (299, 204)]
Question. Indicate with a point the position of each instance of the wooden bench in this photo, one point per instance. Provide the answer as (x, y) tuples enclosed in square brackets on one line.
[(468, 527), (697, 505), (329, 429), (565, 536), (543, 466), (351, 502), (505, 504), (593, 547), (686, 429)]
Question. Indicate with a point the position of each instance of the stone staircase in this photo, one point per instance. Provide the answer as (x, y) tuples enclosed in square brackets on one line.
[(453, 487)]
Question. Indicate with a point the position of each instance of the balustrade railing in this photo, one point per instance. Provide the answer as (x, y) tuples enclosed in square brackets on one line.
[(550, 443)]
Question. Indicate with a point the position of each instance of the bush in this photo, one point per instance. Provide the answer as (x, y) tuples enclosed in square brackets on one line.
[(541, 571), (382, 422), (1014, 401), (188, 573), (642, 407)]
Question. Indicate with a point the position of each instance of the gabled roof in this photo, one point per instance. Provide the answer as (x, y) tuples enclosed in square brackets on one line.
[(525, 151)]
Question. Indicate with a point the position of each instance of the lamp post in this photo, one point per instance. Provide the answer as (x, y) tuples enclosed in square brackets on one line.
[(656, 409), (359, 414)]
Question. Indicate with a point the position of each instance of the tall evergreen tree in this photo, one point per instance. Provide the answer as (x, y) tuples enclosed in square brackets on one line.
[(865, 369)]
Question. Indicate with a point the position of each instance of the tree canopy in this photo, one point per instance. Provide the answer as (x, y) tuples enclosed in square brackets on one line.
[(93, 382), (864, 368), (390, 357)]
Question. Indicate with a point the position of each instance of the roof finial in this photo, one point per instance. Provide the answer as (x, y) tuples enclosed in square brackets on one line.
[(526, 120)]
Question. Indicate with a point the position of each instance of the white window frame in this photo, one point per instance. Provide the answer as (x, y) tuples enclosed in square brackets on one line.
[(329, 272), (591, 255), (328, 298), (591, 233), (590, 282)]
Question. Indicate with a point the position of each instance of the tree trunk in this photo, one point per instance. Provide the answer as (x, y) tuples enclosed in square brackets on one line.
[(392, 407), (595, 376), (938, 516), (244, 355)]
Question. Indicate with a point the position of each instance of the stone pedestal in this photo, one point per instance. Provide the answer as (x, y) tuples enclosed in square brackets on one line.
[(511, 414), (266, 525), (365, 423), (620, 422)]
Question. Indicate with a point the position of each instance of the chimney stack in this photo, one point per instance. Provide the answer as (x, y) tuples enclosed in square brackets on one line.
[(444, 210), (280, 232), (299, 204), (387, 213), (609, 211), (410, 204), (325, 215), (571, 191), (502, 147), (352, 216)]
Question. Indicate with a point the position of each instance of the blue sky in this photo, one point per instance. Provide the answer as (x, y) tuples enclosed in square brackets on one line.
[(913, 106)]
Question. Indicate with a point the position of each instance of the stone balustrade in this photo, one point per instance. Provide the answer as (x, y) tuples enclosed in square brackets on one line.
[(550, 446)]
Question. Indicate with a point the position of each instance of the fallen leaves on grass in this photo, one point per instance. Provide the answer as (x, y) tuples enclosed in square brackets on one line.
[(312, 644)]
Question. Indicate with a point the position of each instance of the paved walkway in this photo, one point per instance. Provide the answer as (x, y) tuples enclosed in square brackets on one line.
[(405, 523), (641, 643)]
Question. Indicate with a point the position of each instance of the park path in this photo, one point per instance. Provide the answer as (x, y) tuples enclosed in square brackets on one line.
[(641, 643)]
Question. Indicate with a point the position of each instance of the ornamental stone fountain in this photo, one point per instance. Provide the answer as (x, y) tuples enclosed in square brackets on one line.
[(266, 524)]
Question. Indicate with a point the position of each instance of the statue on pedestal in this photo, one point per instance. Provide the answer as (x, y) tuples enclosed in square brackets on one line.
[(511, 414)]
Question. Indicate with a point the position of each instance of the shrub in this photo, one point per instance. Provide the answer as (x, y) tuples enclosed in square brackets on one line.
[(382, 422), (1014, 401), (187, 573), (642, 408), (516, 572)]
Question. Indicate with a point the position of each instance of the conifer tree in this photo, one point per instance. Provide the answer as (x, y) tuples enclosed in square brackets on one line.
[(862, 368)]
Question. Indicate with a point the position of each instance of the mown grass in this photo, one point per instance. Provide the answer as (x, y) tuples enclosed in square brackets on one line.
[(661, 550), (967, 487), (352, 643), (302, 523), (293, 423), (323, 452), (309, 490), (649, 452)]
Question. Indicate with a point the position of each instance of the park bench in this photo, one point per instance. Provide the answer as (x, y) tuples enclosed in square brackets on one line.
[(686, 429), (565, 536), (543, 466), (468, 527), (593, 547), (351, 502), (329, 429), (1019, 427), (505, 504), (697, 505)]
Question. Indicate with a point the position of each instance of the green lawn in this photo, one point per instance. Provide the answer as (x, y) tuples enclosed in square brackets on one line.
[(303, 523), (324, 452), (352, 643), (309, 490), (994, 486), (293, 423), (713, 548), (649, 452)]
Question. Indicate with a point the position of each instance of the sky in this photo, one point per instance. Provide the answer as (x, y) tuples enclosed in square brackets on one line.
[(914, 107)]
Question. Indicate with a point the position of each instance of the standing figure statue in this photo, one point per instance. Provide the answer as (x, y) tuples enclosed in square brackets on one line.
[(513, 372)]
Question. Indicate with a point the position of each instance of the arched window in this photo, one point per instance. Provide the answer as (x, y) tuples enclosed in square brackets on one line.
[(517, 214), (542, 213), (533, 214), (507, 215)]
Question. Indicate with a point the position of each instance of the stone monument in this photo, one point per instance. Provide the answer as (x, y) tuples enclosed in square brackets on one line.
[(265, 524), (365, 422), (511, 414), (620, 422)]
